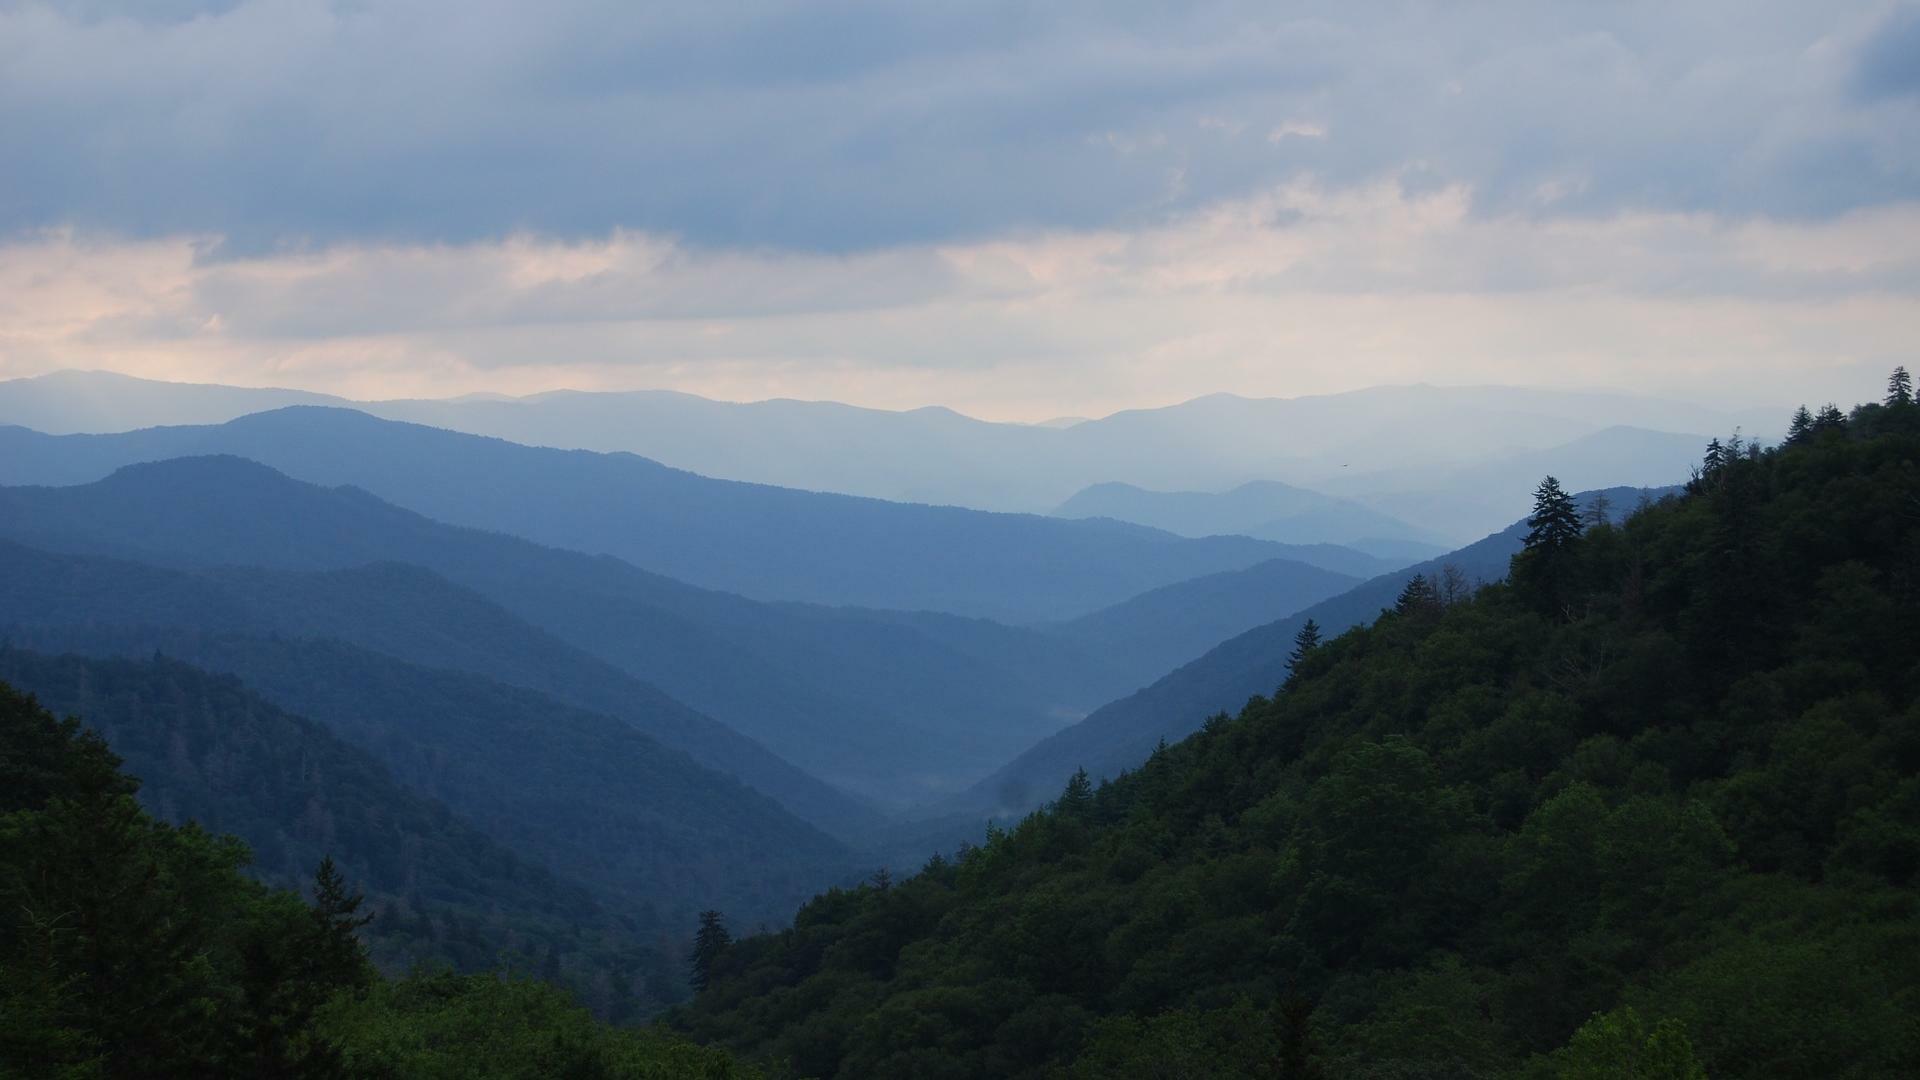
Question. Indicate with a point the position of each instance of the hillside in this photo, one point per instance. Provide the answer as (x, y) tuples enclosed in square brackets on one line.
[(133, 947), (1457, 496), (410, 614), (1119, 735), (768, 543), (645, 829), (684, 834), (210, 751), (897, 708), (1649, 810), (1264, 509), (1161, 630)]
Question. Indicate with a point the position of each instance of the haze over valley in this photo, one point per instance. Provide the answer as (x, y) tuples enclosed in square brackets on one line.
[(856, 541)]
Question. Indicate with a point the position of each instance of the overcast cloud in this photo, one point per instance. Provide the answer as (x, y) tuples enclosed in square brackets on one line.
[(1016, 208)]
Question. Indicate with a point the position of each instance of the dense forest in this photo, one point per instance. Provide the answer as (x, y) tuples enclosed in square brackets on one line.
[(131, 947), (439, 888), (1647, 809)]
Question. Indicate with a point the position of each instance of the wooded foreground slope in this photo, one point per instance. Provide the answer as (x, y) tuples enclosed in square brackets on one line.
[(1649, 809), (133, 948)]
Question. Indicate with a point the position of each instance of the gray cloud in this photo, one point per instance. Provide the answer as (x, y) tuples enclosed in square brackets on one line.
[(843, 125)]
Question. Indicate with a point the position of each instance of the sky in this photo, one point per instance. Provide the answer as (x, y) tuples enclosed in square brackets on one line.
[(1016, 210)]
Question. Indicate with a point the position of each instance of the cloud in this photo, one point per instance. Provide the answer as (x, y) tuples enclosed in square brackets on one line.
[(1295, 289), (839, 126)]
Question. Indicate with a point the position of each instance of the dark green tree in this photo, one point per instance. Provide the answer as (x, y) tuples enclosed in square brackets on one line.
[(339, 959), (1418, 597), (1076, 801), (1304, 642), (1829, 418), (1554, 524), (1293, 1017), (709, 943), (1800, 427), (1900, 387), (1716, 457)]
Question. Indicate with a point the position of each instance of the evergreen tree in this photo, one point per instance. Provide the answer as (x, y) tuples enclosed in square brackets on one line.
[(1554, 524), (1077, 800), (708, 944), (1418, 596), (1829, 418), (1900, 387), (1293, 1016), (1801, 426), (1716, 457), (337, 955), (1304, 642)]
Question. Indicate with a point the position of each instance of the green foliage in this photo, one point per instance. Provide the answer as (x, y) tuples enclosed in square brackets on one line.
[(1621, 1046), (130, 947), (709, 943), (1304, 642), (441, 1026), (440, 890), (1650, 810)]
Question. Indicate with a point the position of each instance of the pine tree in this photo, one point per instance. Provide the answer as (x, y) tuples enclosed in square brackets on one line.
[(338, 957), (1554, 524), (1077, 800), (1293, 1019), (1829, 418), (1900, 387), (1304, 642), (1418, 596), (1800, 428), (708, 944), (1716, 457)]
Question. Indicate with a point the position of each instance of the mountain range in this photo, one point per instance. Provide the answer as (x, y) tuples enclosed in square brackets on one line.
[(763, 542), (1264, 509), (1348, 445), (896, 706)]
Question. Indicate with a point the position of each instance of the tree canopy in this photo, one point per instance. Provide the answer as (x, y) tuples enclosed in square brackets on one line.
[(1655, 814)]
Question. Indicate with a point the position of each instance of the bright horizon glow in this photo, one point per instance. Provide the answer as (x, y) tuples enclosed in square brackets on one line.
[(1015, 213)]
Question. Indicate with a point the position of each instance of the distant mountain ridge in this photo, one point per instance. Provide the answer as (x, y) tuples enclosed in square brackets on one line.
[(938, 456), (900, 707), (406, 613), (763, 542), (1263, 509), (1160, 630)]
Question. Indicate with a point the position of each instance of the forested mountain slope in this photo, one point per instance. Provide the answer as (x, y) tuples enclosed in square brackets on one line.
[(1652, 809), (133, 948), (898, 707), (650, 833), (764, 542), (578, 784), (404, 612), (1120, 734), (210, 751), (1158, 631), (1264, 509)]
